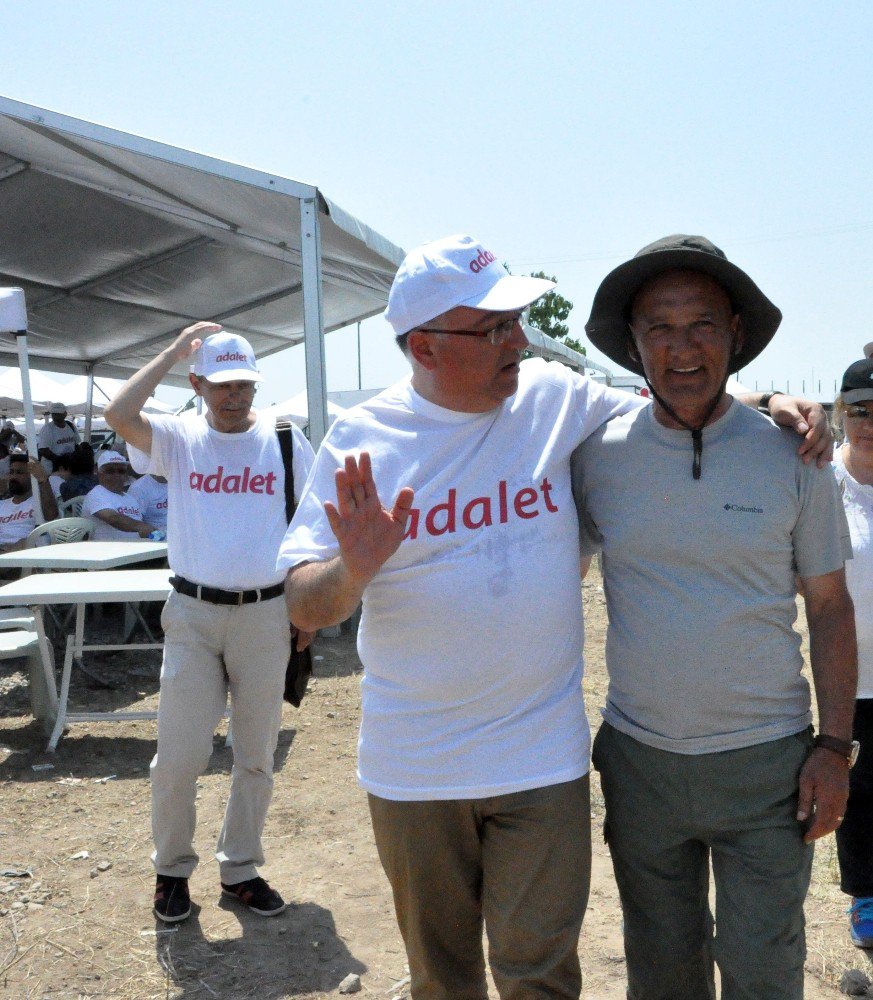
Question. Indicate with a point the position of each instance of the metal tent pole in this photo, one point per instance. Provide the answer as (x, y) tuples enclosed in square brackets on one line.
[(313, 337)]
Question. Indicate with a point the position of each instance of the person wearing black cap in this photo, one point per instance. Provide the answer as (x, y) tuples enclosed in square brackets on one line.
[(853, 465), (706, 752)]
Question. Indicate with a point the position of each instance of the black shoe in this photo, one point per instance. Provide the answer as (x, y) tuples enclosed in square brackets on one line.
[(172, 899), (257, 896)]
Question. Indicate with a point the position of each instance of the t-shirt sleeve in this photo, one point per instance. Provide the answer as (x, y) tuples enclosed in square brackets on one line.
[(598, 403), (821, 538), (309, 537), (43, 440), (304, 459), (156, 461), (590, 538), (94, 501)]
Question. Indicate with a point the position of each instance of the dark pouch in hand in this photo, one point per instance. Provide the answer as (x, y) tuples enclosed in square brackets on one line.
[(297, 673), (299, 668)]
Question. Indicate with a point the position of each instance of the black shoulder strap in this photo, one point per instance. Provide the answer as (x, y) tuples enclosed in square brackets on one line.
[(286, 443)]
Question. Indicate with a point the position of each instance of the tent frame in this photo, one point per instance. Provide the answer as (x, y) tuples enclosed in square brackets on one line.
[(65, 131)]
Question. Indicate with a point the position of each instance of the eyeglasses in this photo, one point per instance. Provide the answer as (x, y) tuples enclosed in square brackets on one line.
[(497, 335), (859, 412)]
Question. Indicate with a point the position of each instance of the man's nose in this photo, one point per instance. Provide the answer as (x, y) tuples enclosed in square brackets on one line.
[(518, 339)]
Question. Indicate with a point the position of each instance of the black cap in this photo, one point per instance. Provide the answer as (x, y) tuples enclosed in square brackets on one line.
[(858, 382)]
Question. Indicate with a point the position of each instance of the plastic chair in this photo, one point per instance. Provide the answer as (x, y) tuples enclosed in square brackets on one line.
[(16, 618), (71, 507), (25, 643), (64, 529)]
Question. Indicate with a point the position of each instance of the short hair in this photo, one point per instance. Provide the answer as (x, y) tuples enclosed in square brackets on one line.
[(82, 461), (402, 341), (19, 456)]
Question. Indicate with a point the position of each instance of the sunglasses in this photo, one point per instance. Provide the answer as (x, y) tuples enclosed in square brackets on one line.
[(859, 412)]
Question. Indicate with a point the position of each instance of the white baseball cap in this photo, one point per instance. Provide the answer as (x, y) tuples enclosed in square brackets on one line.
[(57, 408), (868, 350), (226, 357), (110, 458), (455, 271)]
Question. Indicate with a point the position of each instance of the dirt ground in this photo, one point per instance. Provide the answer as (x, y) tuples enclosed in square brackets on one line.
[(76, 882)]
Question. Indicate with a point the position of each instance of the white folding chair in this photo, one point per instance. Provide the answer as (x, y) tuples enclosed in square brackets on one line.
[(25, 643)]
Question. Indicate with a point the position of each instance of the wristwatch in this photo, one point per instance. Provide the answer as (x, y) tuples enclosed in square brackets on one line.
[(849, 749), (764, 405)]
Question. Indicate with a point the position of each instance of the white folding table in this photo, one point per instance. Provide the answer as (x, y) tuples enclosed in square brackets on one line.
[(97, 587), (86, 555)]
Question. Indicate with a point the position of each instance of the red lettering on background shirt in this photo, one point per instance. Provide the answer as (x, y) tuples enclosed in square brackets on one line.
[(218, 482), (477, 513), (20, 515)]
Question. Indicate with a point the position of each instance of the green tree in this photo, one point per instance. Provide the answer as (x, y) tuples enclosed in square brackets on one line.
[(550, 314)]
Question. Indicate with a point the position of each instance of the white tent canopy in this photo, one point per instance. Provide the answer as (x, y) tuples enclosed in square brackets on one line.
[(296, 409), (73, 394), (119, 242)]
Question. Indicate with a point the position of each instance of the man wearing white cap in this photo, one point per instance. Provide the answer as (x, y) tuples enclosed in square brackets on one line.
[(225, 625), (474, 745), (117, 515), (58, 437)]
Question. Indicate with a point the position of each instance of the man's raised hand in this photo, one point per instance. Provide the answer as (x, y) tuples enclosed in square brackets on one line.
[(192, 337), (367, 533)]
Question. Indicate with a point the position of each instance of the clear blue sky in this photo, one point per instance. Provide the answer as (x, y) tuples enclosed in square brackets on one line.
[(563, 135)]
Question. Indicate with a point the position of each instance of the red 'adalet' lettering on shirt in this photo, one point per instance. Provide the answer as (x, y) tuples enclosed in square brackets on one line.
[(221, 482), (19, 515), (480, 512)]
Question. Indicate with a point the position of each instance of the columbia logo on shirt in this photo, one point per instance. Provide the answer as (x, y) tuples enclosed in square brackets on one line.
[(222, 482), (740, 509)]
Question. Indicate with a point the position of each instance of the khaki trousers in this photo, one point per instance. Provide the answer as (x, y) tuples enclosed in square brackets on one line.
[(668, 817), (210, 650), (521, 863)]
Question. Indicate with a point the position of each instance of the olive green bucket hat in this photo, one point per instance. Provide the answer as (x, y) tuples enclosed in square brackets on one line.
[(607, 327)]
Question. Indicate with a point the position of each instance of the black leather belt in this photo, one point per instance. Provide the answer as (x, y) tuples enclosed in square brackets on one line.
[(215, 596)]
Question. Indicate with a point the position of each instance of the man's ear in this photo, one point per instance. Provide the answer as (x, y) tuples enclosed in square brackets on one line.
[(420, 348), (632, 351), (195, 383), (739, 333)]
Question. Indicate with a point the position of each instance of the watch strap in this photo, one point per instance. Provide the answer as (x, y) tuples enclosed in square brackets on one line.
[(764, 405), (845, 748)]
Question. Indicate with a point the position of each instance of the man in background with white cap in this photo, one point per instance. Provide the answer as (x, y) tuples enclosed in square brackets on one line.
[(58, 437), (117, 515), (474, 745), (225, 625)]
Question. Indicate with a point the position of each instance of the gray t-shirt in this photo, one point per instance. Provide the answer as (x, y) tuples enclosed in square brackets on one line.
[(699, 575)]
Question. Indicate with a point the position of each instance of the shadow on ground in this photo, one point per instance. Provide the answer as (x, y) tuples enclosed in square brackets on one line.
[(298, 952)]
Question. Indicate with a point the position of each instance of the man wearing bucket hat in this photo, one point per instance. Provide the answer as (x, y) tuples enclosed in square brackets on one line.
[(474, 744), (225, 626), (705, 752)]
